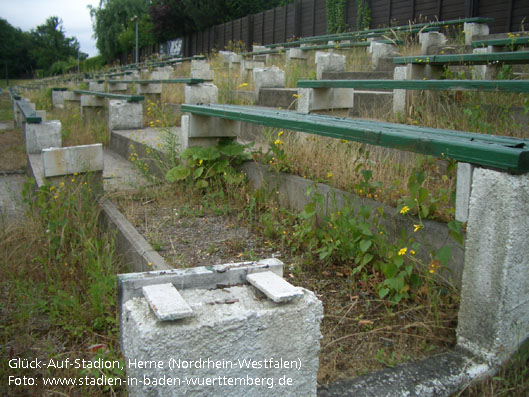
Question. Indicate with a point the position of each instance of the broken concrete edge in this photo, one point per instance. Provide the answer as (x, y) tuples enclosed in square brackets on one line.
[(439, 375), (204, 277), (130, 285)]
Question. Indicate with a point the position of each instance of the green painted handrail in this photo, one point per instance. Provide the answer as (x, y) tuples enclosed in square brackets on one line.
[(30, 115), (505, 153), (169, 81), (128, 98), (501, 42), (442, 85), (459, 59)]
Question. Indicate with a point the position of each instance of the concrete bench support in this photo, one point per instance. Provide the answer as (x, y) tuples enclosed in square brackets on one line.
[(58, 162), (124, 115), (113, 87), (96, 86), (494, 312), (200, 69), (463, 190), (411, 72), (162, 73), (247, 67), (201, 93), (431, 42), (268, 78), (474, 29), (205, 131), (382, 55), (57, 99), (42, 135), (149, 88), (91, 101), (328, 62), (229, 324), (324, 98)]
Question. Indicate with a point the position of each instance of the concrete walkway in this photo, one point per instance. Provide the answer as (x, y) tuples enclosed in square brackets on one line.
[(120, 174)]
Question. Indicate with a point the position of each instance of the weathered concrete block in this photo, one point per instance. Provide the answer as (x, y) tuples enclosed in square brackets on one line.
[(71, 96), (72, 159), (248, 66), (200, 69), (226, 56), (484, 72), (328, 62), (229, 325), (92, 101), (268, 78), (149, 88), (113, 87), (96, 86), (474, 29), (431, 42), (463, 190), (134, 75), (57, 98), (382, 54), (205, 131), (162, 73), (423, 72), (123, 115), (201, 93), (42, 135), (296, 53), (494, 313), (399, 96), (324, 98)]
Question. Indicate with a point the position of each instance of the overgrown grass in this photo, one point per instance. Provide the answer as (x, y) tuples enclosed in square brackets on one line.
[(58, 288)]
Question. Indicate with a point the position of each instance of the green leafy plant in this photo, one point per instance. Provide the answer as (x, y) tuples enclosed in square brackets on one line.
[(363, 15), (204, 165), (335, 15)]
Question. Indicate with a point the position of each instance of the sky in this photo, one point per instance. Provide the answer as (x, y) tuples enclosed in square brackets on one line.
[(75, 15)]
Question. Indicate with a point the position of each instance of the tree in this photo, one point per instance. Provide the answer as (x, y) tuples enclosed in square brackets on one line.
[(169, 19), (114, 18), (49, 44), (14, 51)]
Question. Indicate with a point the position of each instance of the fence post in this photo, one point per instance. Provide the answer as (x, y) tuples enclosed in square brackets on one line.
[(297, 18)]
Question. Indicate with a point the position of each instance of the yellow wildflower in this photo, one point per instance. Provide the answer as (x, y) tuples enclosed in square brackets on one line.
[(412, 252), (403, 251), (404, 210), (52, 188), (417, 227), (278, 142), (280, 133), (55, 197), (329, 174)]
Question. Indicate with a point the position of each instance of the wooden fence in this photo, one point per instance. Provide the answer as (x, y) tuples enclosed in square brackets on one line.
[(308, 18)]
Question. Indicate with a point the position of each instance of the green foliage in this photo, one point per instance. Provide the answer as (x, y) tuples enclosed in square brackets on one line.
[(45, 48), (205, 166), (335, 15), (77, 261), (363, 15), (115, 17), (276, 157)]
